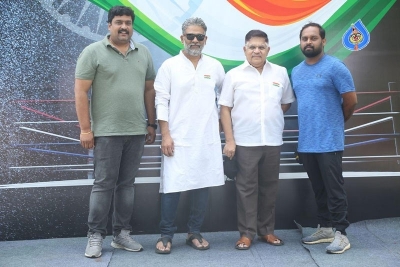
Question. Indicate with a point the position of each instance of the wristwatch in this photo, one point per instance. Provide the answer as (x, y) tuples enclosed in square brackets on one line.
[(152, 125)]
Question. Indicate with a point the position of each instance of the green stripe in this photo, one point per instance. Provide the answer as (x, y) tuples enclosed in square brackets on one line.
[(369, 11), (381, 14)]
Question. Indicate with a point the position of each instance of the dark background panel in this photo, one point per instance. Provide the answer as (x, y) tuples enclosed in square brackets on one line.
[(38, 56), (35, 213)]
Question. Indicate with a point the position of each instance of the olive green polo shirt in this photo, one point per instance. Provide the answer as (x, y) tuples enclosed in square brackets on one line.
[(117, 95)]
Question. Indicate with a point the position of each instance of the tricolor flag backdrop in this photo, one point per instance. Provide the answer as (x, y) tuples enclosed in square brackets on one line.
[(45, 175)]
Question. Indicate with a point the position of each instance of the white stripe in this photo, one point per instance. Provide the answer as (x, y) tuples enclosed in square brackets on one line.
[(38, 131), (369, 124), (155, 180)]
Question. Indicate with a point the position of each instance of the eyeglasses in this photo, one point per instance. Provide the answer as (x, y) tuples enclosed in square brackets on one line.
[(199, 37)]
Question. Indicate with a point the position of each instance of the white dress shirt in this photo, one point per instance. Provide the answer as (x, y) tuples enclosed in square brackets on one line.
[(257, 116)]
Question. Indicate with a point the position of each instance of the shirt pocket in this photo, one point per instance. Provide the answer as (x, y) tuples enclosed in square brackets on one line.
[(275, 90)]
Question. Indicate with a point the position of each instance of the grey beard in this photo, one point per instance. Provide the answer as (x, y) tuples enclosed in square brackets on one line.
[(193, 52)]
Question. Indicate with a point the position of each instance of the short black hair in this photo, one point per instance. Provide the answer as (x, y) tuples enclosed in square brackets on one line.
[(313, 24), (120, 11), (256, 33)]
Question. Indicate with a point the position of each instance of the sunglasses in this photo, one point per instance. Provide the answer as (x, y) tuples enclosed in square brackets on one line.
[(199, 37)]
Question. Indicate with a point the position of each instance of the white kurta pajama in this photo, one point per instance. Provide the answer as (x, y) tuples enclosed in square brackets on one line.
[(185, 98)]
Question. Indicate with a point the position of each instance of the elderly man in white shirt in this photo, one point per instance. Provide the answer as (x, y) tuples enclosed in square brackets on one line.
[(254, 97), (191, 144)]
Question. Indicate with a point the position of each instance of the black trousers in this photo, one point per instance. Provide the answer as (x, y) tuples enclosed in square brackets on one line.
[(325, 173)]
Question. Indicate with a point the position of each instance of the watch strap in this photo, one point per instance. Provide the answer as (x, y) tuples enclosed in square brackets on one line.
[(152, 125)]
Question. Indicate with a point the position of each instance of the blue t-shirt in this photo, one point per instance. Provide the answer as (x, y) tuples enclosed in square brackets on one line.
[(318, 90)]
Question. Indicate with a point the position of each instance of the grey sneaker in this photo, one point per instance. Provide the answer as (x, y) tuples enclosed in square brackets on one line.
[(322, 235), (125, 241), (94, 245), (339, 245)]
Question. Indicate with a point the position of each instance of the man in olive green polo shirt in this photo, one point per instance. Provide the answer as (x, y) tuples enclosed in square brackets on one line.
[(121, 75)]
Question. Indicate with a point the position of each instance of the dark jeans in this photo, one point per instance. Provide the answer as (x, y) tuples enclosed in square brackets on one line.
[(325, 173), (116, 162), (169, 206)]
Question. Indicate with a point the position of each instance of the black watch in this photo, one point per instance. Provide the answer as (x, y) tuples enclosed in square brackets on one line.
[(152, 125)]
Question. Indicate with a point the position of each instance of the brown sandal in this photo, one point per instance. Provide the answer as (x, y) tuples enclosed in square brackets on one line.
[(243, 241), (272, 240)]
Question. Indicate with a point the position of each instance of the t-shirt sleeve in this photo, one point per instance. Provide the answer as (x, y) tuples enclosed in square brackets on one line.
[(150, 73), (342, 79), (86, 65)]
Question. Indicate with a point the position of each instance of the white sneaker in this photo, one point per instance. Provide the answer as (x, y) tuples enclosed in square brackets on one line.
[(94, 245), (322, 235), (125, 241), (339, 245)]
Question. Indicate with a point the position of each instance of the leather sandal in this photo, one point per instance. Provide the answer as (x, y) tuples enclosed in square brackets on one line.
[(245, 241), (271, 239), (165, 240), (199, 238)]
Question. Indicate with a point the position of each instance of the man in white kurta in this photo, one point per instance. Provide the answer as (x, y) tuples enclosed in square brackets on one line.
[(186, 88)]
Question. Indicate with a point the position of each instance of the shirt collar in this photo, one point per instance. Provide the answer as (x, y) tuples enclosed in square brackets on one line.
[(183, 55), (246, 64), (106, 42), (132, 44)]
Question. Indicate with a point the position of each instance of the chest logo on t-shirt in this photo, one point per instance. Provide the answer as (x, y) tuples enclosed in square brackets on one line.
[(207, 76)]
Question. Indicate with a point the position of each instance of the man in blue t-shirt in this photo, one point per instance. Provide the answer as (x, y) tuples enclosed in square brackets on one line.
[(326, 99)]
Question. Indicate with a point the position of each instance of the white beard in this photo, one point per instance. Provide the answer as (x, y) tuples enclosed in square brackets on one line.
[(193, 52)]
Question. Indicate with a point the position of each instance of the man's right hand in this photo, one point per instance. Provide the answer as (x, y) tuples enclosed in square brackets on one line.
[(167, 145), (87, 140), (229, 149)]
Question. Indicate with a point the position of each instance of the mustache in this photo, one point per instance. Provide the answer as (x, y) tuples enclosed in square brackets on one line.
[(308, 46)]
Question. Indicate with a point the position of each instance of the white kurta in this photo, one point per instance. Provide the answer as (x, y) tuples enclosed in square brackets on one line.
[(185, 97)]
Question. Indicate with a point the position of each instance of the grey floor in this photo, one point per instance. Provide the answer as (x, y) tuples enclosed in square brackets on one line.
[(373, 243)]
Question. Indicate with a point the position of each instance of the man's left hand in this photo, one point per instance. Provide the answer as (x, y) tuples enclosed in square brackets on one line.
[(151, 136)]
